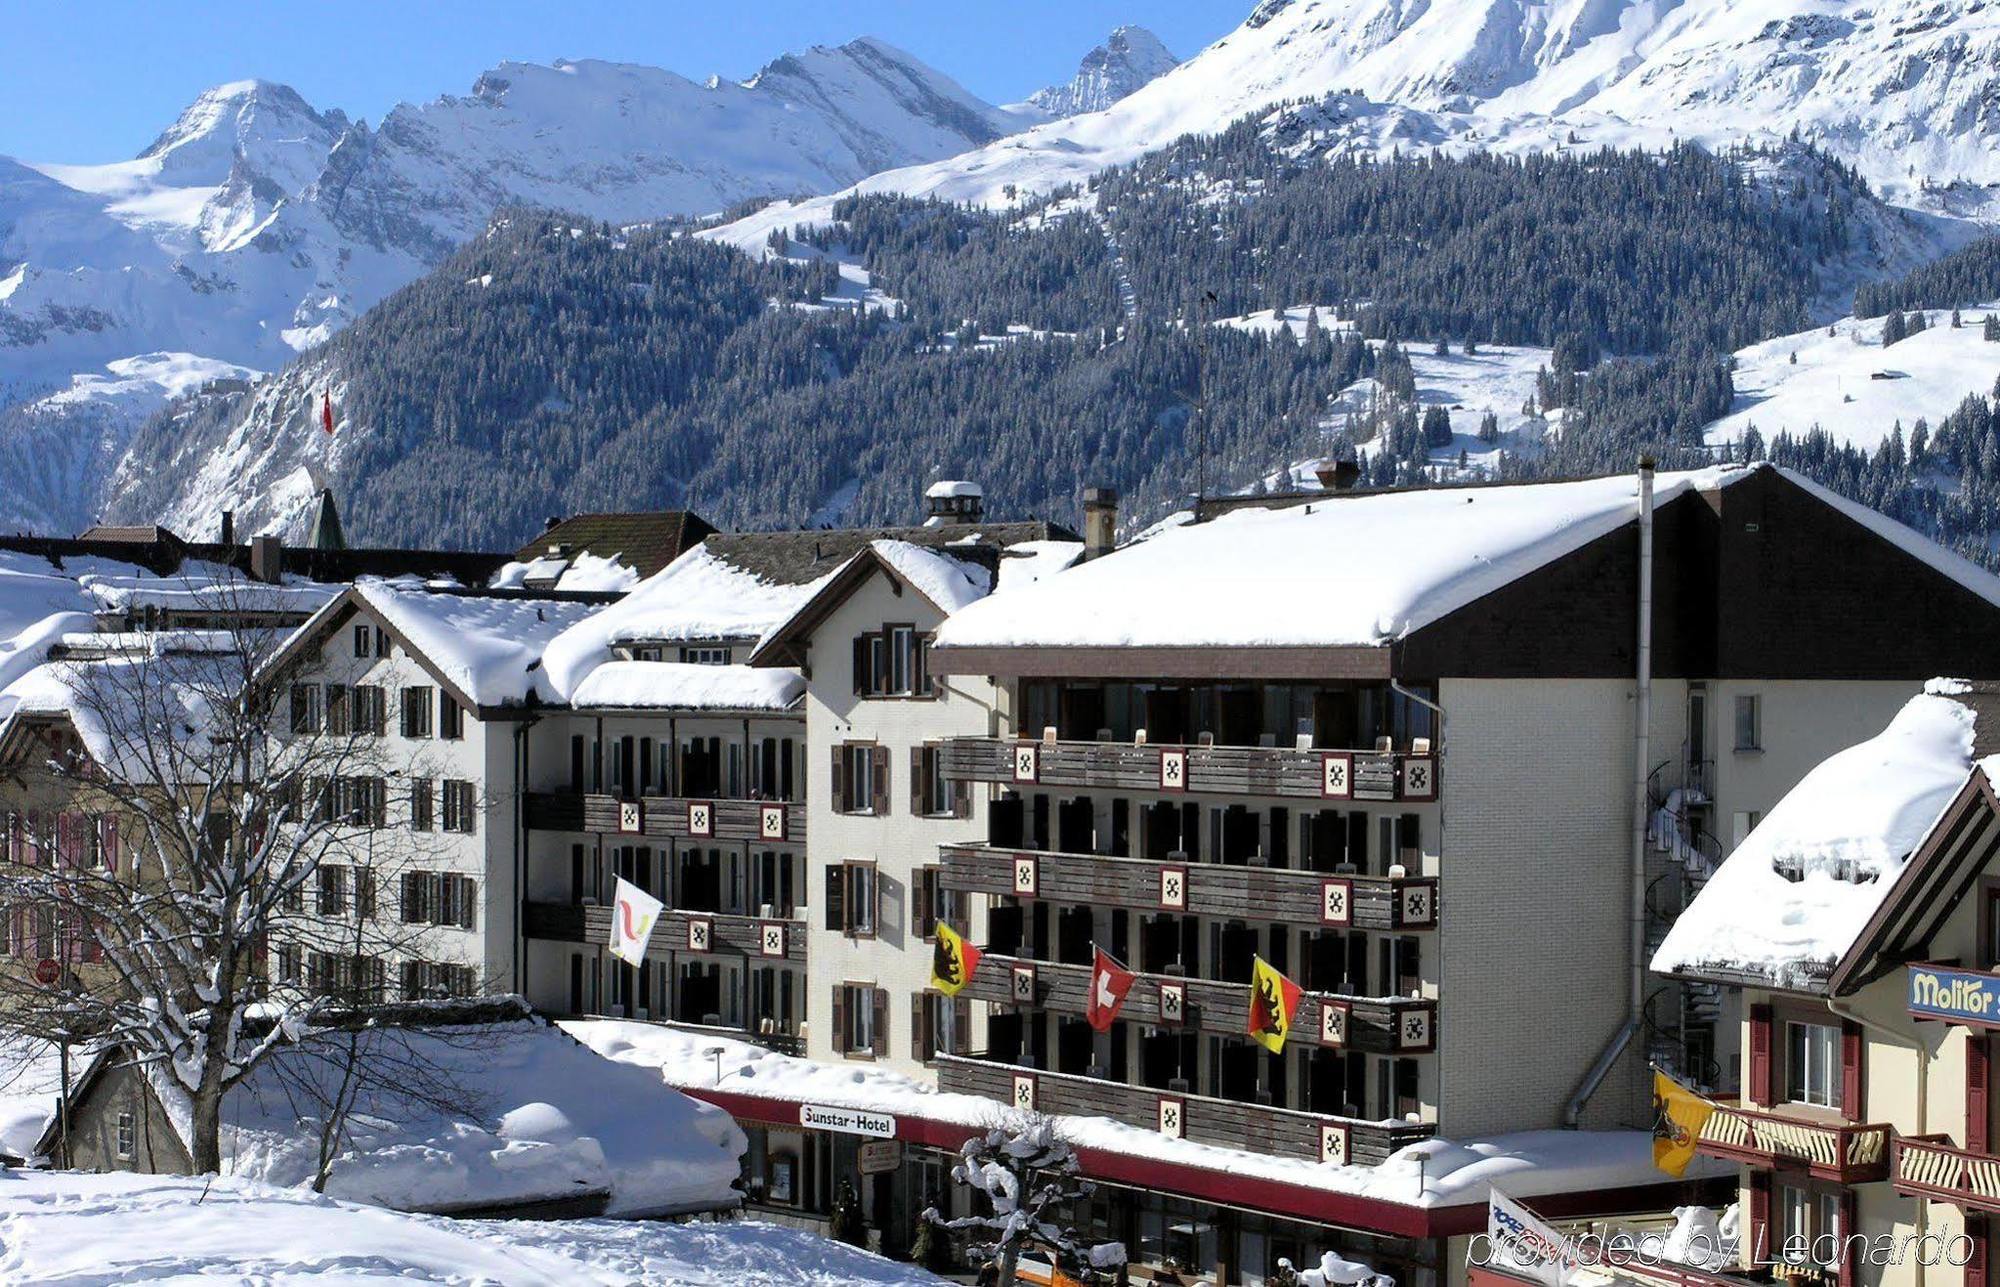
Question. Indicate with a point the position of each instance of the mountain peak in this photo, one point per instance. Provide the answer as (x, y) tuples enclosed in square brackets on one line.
[(1129, 58), (254, 126)]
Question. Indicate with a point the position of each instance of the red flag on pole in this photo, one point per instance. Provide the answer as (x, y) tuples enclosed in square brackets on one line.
[(1109, 982), (326, 411)]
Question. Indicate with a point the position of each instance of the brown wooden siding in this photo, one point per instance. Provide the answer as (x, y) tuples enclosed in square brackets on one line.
[(1377, 1025), (1280, 1132), (728, 935), (1212, 889), (1277, 772), (662, 817)]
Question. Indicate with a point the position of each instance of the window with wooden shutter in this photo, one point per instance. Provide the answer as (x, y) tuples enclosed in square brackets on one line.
[(1849, 1264), (1852, 1052), (839, 1018), (881, 1022), (1759, 1232), (862, 662), (1758, 1084), (961, 798), (918, 805), (1979, 1232), (878, 757), (925, 911), (961, 1026), (838, 783), (836, 892), (920, 1037), (1978, 1066)]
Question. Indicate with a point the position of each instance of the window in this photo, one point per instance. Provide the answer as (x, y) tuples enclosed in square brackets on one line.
[(931, 795), (852, 899), (128, 1135), (1808, 1231), (305, 708), (892, 662), (1741, 824), (364, 893), (288, 963), (1812, 1064), (371, 709), (428, 980), (417, 711), (1749, 722), (861, 778), (939, 1025), (438, 898), (336, 710), (422, 804), (451, 718), (860, 1020), (704, 656), (364, 639), (460, 807), (932, 903), (332, 891), (357, 802)]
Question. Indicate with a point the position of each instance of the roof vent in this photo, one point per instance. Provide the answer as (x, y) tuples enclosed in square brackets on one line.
[(954, 501)]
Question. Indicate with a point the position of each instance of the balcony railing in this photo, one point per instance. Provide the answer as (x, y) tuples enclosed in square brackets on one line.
[(1290, 773), (1839, 1151), (1378, 1025), (1282, 1132), (1211, 889), (1934, 1168), (678, 932), (773, 822)]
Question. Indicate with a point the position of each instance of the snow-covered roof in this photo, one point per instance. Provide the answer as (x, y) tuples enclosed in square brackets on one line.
[(674, 685), (583, 571), (528, 1114), (948, 582), (1358, 570), (1430, 1174), (489, 647), (206, 587), (700, 595), (111, 702), (1030, 561), (1793, 897)]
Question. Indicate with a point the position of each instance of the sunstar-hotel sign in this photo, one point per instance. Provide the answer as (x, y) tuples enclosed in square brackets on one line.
[(1957, 996)]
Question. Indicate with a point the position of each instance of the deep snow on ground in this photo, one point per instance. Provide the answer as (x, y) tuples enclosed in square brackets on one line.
[(91, 1230), (1849, 385)]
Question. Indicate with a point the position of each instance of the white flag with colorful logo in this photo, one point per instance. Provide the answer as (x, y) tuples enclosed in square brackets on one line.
[(634, 912), (1521, 1245)]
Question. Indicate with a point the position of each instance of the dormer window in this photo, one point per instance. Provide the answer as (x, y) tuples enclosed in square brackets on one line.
[(706, 655)]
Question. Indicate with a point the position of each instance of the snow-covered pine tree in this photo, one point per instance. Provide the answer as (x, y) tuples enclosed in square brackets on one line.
[(1026, 1175)]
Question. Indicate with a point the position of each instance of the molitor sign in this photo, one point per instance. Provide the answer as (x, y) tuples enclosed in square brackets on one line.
[(1961, 996)]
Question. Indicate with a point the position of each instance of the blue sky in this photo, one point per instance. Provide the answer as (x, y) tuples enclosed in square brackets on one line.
[(93, 80)]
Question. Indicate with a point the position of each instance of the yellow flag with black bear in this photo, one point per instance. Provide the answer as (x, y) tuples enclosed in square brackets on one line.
[(1678, 1116), (952, 961), (1273, 1000)]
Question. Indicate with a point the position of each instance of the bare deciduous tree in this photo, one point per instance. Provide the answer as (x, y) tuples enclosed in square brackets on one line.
[(182, 808)]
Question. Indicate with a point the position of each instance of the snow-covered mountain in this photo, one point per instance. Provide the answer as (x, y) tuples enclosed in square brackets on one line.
[(255, 226), (1132, 58), (1905, 89)]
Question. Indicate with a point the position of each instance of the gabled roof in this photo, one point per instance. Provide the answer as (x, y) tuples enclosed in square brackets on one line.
[(1791, 903), (483, 647), (946, 579), (645, 542)]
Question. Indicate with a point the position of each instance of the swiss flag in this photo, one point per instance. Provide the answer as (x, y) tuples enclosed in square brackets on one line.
[(326, 411), (1109, 982)]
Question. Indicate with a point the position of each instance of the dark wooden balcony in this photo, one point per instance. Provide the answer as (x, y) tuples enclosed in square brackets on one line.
[(1935, 1168), (773, 822), (1281, 1132), (1278, 772), (1828, 1150), (678, 932), (1378, 1025), (1210, 889)]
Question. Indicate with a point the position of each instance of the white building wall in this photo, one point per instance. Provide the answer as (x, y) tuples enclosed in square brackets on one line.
[(898, 959)]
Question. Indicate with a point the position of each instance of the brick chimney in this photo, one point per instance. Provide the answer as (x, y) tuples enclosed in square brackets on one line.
[(1100, 521)]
